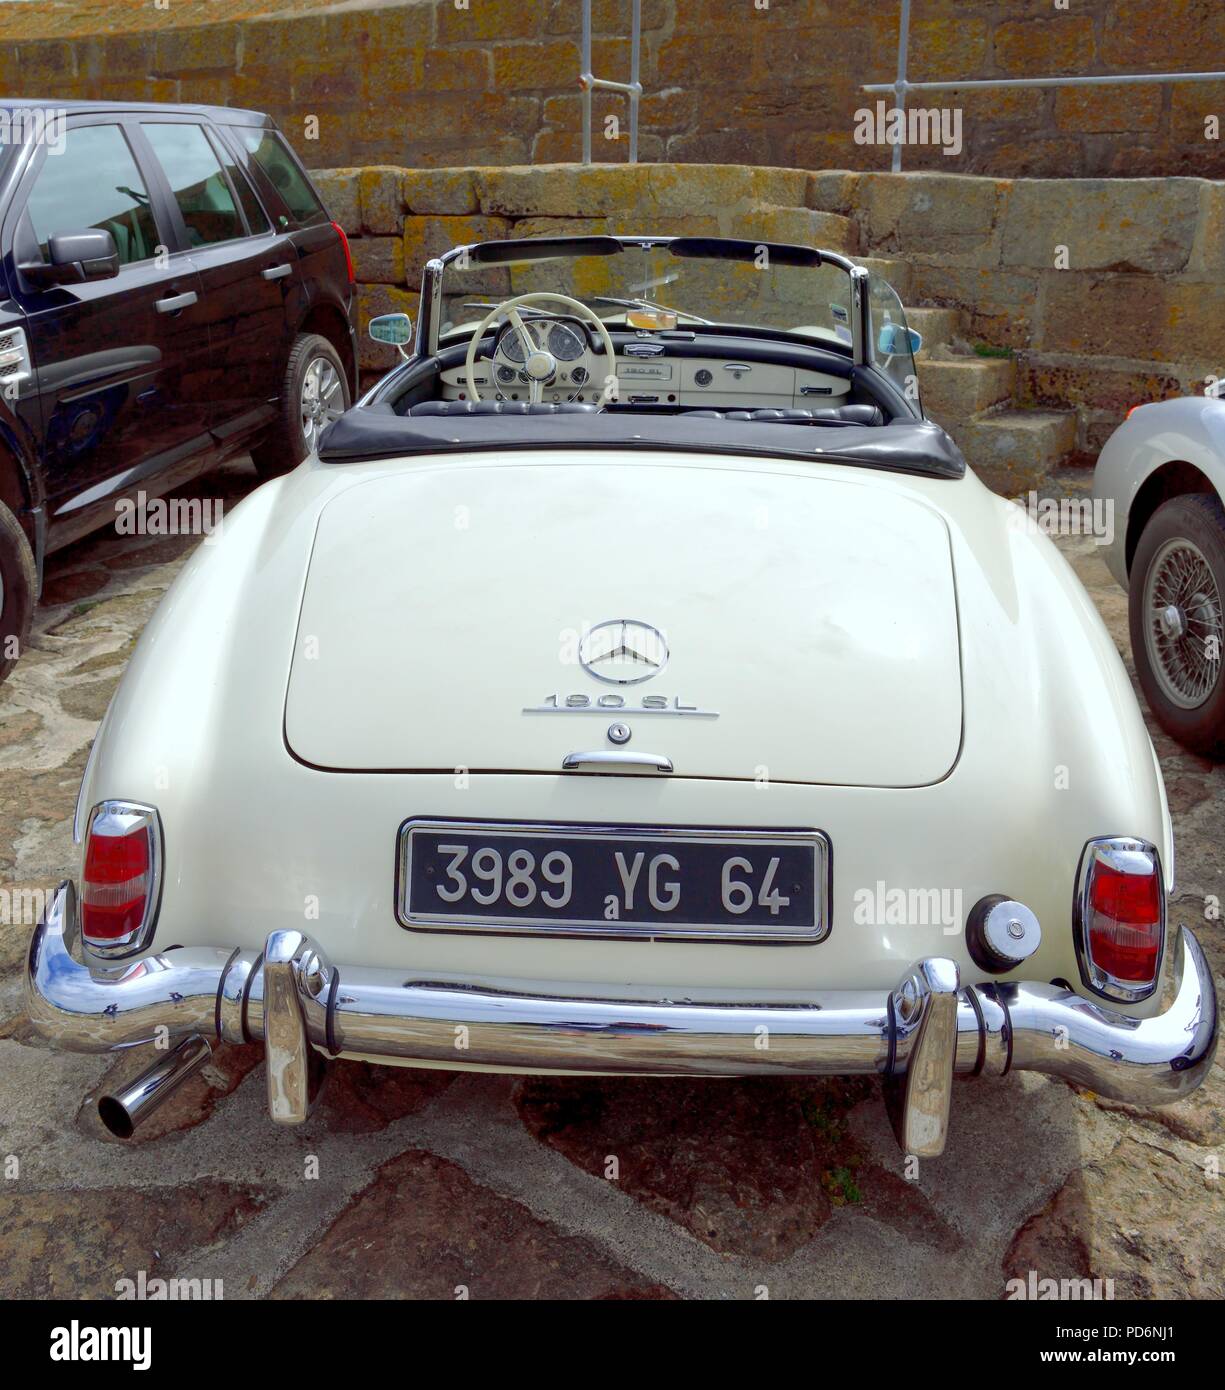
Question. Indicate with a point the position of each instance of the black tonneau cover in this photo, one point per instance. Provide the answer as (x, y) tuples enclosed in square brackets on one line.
[(376, 431)]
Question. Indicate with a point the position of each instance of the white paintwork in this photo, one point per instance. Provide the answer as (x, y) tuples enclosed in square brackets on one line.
[(1190, 429), (1053, 748), (467, 588)]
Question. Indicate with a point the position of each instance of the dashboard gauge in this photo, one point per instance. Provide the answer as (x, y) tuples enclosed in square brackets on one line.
[(512, 346), (564, 343)]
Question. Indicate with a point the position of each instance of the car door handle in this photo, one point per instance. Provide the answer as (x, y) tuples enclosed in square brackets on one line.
[(608, 761), (277, 272), (174, 302)]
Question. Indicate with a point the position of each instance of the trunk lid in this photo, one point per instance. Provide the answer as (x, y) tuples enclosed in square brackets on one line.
[(447, 607)]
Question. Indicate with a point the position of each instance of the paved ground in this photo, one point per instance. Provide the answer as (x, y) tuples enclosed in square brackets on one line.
[(424, 1183)]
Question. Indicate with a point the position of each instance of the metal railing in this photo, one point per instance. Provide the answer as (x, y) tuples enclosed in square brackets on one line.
[(900, 86), (589, 83)]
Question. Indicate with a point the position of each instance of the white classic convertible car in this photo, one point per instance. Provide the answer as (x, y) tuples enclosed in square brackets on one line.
[(635, 683)]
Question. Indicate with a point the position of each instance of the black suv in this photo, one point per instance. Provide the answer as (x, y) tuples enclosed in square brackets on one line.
[(172, 292)]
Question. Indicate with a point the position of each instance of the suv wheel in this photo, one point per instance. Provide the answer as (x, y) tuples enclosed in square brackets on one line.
[(1176, 613), (18, 580), (315, 392)]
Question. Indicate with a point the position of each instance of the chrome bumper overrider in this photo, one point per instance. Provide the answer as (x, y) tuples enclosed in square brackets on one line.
[(918, 1036)]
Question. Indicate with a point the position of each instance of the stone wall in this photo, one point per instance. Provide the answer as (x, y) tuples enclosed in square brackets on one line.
[(425, 82), (1102, 293)]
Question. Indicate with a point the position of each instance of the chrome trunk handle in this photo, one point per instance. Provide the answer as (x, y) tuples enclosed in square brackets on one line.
[(606, 760)]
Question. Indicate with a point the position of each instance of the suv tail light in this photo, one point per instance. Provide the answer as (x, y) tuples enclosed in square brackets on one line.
[(344, 241), (1121, 917), (120, 877)]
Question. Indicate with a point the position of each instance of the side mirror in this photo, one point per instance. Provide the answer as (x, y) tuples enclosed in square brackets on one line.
[(396, 330), (75, 257), (895, 338)]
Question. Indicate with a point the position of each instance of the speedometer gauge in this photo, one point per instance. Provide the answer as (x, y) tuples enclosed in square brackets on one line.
[(564, 343), (512, 345)]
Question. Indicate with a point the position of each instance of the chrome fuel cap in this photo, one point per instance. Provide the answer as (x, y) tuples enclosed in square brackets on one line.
[(1001, 933)]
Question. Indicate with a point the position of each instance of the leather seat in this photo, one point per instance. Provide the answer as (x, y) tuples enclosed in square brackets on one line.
[(502, 408), (830, 415)]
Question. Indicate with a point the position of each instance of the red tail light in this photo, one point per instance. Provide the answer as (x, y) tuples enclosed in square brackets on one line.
[(119, 879), (1122, 917), (344, 241)]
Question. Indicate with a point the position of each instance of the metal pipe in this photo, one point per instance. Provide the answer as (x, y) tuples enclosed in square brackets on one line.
[(589, 83), (899, 86), (635, 85), (1097, 80), (585, 80), (125, 1109)]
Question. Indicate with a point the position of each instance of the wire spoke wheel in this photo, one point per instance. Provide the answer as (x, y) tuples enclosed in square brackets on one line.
[(1183, 623)]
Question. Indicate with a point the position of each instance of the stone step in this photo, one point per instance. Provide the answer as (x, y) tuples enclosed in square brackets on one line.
[(897, 273), (955, 389), (1014, 450), (790, 226), (938, 326)]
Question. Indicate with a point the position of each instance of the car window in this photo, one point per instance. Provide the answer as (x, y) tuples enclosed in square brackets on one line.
[(270, 153), (198, 184), (257, 218), (889, 338), (94, 182)]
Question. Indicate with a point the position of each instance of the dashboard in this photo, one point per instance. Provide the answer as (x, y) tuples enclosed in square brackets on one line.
[(649, 372)]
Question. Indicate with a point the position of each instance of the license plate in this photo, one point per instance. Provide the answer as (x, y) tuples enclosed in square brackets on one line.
[(640, 882)]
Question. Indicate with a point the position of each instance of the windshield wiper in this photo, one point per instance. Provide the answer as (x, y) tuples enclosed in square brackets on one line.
[(651, 304)]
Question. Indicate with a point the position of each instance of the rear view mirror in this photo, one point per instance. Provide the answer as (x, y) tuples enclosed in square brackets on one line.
[(394, 329), (75, 257), (895, 338)]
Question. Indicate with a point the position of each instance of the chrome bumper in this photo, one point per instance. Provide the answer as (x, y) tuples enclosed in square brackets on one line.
[(921, 1034)]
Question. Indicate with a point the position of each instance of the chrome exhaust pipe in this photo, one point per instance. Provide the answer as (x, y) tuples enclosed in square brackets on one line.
[(126, 1109)]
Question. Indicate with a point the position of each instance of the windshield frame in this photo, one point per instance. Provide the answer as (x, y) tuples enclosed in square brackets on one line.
[(703, 248)]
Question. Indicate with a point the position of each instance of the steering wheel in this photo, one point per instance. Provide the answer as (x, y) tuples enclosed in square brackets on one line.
[(539, 364)]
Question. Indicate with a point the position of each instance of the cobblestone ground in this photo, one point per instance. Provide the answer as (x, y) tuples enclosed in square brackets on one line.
[(428, 1181)]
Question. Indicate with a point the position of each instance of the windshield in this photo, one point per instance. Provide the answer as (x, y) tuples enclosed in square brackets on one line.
[(700, 281)]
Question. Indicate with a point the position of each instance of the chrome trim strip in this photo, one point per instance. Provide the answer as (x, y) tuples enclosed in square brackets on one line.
[(623, 709), (545, 926), (387, 1013)]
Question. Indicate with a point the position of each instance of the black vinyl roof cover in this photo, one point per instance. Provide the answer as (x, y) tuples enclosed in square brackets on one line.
[(376, 431)]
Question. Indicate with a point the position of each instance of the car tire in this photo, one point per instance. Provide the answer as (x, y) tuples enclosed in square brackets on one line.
[(313, 363), (1176, 606), (18, 584)]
